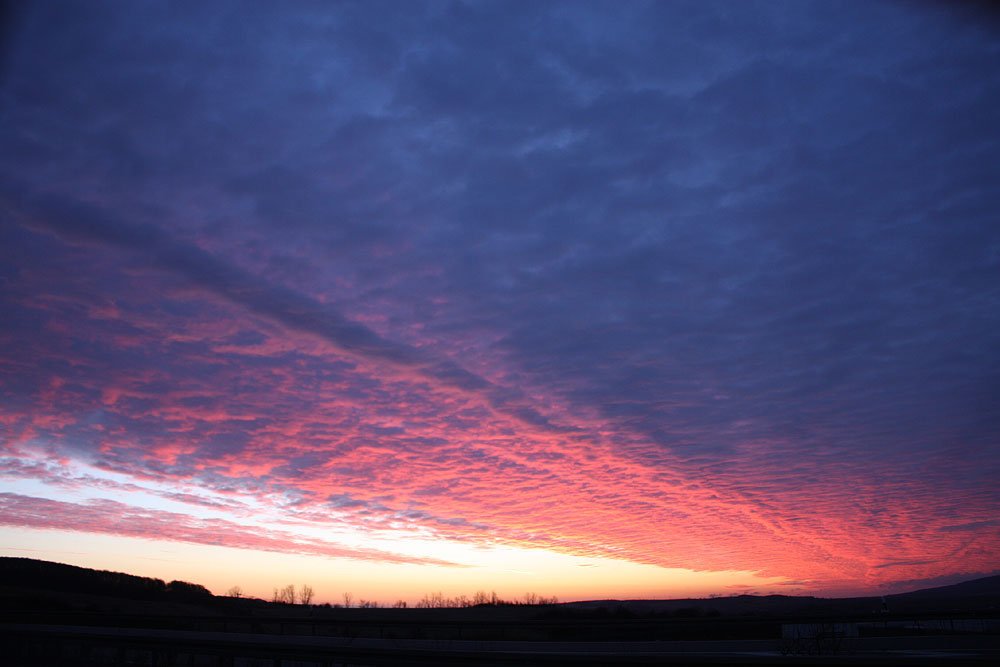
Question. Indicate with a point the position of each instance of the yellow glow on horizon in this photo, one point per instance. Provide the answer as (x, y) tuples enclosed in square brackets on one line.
[(509, 571)]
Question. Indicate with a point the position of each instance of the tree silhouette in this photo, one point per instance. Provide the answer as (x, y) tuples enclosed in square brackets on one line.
[(186, 591)]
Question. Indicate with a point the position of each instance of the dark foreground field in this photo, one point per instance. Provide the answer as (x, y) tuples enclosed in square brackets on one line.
[(71, 645), (68, 621)]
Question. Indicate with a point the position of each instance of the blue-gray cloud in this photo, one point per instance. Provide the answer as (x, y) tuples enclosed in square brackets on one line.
[(742, 237)]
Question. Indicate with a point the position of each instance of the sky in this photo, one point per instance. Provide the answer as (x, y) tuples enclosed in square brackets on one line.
[(586, 299)]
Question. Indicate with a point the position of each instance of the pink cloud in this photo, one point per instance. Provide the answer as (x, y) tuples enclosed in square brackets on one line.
[(114, 518), (213, 395)]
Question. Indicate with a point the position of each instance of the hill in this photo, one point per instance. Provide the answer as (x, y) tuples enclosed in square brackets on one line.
[(974, 595), (68, 586), (20, 575), (988, 586)]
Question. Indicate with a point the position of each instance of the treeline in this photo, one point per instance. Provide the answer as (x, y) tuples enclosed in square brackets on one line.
[(287, 595), (40, 574), (290, 595), (482, 599)]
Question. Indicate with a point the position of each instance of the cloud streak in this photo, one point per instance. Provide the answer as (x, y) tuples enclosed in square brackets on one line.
[(114, 518)]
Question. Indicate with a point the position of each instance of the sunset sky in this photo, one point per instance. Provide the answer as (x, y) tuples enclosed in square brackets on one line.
[(589, 299)]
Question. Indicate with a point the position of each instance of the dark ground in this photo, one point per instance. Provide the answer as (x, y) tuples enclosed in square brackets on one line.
[(58, 614)]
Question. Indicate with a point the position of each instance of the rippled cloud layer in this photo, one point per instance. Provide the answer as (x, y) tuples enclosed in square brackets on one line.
[(710, 287)]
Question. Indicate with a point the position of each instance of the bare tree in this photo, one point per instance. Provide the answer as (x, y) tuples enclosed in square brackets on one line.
[(433, 601), (306, 594), (287, 594), (235, 592), (347, 599)]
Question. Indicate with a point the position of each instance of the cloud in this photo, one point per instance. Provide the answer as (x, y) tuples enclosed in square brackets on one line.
[(77, 221), (972, 526), (115, 518), (695, 288)]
